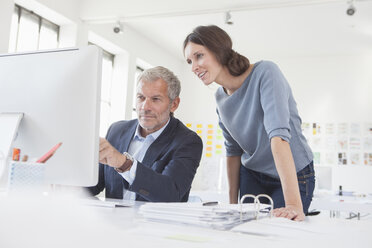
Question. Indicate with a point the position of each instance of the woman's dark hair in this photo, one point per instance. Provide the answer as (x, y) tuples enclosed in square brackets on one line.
[(219, 43)]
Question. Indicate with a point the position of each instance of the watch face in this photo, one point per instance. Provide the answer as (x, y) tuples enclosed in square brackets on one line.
[(128, 156)]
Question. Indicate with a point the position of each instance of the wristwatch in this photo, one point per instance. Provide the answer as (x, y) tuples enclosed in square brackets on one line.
[(127, 164)]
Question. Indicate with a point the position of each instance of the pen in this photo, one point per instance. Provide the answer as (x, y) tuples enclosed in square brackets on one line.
[(50, 153), (211, 203)]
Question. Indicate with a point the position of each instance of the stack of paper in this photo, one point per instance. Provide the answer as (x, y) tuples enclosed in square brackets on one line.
[(222, 216)]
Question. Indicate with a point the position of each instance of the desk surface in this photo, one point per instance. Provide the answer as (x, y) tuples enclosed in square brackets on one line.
[(63, 222)]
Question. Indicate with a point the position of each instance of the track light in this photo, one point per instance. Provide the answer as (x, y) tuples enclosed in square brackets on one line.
[(118, 28), (351, 9), (228, 18)]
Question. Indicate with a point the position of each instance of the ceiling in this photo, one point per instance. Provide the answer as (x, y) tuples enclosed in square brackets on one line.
[(262, 29)]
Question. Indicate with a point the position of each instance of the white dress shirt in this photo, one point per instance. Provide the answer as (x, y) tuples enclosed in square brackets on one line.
[(138, 148)]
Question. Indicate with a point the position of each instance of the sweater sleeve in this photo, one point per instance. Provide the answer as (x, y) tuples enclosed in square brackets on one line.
[(274, 96)]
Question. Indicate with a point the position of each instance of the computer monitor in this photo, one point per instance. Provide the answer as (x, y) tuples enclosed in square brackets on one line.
[(59, 93)]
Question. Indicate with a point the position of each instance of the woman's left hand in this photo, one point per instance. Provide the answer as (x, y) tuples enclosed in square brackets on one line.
[(290, 212)]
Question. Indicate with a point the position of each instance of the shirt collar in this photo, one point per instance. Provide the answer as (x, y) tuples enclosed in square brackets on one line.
[(153, 135)]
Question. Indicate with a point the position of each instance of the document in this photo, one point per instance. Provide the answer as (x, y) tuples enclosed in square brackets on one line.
[(221, 216)]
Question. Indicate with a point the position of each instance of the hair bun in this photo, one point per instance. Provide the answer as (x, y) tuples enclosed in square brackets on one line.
[(237, 64)]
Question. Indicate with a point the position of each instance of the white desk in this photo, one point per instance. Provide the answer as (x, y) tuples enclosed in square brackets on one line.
[(347, 204), (47, 222)]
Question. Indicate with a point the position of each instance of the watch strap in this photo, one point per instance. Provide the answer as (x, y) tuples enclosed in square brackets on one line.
[(127, 164)]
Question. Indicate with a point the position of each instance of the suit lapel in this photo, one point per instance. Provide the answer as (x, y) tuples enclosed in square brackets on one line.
[(126, 137), (160, 143)]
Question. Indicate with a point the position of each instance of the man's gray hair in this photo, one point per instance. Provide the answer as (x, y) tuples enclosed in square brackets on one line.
[(159, 72)]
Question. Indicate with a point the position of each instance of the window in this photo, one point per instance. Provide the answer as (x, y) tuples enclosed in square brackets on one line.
[(107, 70), (139, 70), (31, 32)]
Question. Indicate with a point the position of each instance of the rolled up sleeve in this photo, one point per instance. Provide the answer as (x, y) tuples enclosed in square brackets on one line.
[(274, 95)]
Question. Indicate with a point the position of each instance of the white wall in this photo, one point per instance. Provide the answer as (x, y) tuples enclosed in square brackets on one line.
[(135, 46)]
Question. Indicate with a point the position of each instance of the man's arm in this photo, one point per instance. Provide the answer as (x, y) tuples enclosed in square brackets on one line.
[(95, 190)]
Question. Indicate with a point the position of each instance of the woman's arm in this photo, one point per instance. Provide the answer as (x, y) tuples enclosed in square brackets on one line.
[(286, 169), (233, 170)]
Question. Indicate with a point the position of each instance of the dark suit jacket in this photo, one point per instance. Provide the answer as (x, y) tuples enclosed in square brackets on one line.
[(167, 169)]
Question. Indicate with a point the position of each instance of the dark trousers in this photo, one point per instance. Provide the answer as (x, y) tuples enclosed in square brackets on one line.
[(252, 182)]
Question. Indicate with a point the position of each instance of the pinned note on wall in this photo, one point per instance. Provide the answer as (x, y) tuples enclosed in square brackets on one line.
[(199, 126), (208, 148), (188, 125), (209, 142)]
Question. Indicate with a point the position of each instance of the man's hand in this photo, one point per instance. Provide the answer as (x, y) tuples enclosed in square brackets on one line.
[(290, 212), (109, 155)]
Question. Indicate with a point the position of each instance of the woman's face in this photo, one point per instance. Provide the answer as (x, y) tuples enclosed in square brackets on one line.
[(203, 63)]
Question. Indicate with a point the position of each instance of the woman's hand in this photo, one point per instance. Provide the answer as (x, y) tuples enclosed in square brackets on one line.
[(290, 212)]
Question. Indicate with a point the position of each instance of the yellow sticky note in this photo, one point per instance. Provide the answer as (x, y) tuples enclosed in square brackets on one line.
[(209, 148), (210, 126), (209, 142), (188, 125), (208, 154), (199, 126), (209, 137), (199, 131), (210, 131), (219, 146)]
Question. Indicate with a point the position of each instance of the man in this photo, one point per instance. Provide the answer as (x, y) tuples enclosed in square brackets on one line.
[(155, 157)]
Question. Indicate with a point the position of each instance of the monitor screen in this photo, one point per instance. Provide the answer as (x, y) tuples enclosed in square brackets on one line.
[(58, 92)]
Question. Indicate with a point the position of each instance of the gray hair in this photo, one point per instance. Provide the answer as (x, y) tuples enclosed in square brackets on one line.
[(159, 72)]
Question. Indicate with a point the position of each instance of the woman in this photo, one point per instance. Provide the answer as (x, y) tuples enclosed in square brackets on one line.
[(266, 151)]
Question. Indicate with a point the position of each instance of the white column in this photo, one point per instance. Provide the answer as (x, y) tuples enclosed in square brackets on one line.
[(6, 11)]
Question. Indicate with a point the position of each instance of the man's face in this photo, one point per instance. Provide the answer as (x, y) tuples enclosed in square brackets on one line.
[(153, 105)]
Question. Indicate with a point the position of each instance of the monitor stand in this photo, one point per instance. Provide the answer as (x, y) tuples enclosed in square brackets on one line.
[(9, 123)]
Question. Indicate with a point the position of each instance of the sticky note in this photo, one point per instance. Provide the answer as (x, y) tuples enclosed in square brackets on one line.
[(210, 126), (199, 131), (209, 137), (209, 148), (218, 152), (219, 131), (188, 125), (219, 137), (219, 146), (209, 142), (210, 131), (208, 154), (199, 126)]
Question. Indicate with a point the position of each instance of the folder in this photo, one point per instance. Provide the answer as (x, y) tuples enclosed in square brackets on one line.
[(221, 216)]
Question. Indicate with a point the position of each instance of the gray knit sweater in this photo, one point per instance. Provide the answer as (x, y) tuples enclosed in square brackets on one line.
[(262, 108)]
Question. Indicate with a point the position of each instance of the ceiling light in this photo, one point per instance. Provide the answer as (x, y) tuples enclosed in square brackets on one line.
[(228, 18), (118, 28), (351, 9)]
